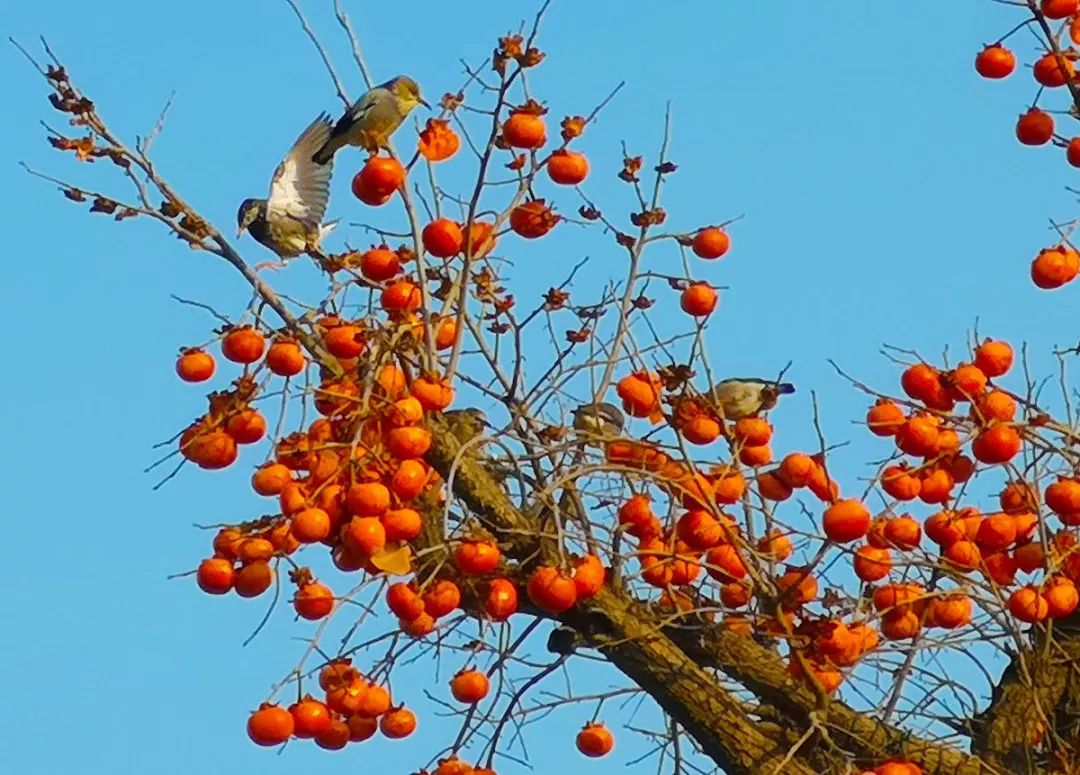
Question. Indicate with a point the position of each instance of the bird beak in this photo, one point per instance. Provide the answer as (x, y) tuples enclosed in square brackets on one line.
[(423, 102), (240, 232)]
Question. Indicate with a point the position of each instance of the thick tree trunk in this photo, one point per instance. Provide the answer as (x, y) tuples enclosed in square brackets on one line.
[(627, 635), (672, 665), (1039, 690)]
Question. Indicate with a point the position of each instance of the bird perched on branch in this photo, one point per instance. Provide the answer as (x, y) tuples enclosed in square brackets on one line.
[(603, 419), (738, 398), (289, 221), (466, 424), (373, 118)]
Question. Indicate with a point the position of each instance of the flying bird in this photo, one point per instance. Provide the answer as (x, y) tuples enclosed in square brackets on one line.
[(289, 221), (738, 398), (602, 419), (372, 118)]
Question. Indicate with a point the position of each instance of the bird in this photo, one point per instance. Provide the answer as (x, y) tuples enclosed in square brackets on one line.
[(466, 424), (289, 221), (601, 419), (370, 121), (737, 398)]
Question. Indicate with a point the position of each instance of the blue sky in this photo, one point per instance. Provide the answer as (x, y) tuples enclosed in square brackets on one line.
[(886, 200)]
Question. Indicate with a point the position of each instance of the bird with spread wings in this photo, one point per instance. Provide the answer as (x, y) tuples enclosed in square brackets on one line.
[(289, 221)]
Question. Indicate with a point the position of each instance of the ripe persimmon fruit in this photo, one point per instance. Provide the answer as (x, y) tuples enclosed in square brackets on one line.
[(469, 686), (379, 264), (524, 130), (443, 238), (995, 61), (475, 558), (846, 520), (551, 590), (398, 723), (314, 601), (243, 345), (1035, 127), (698, 299), (270, 725), (195, 365), (567, 168), (215, 575), (533, 220), (595, 740), (441, 598), (285, 358), (711, 242)]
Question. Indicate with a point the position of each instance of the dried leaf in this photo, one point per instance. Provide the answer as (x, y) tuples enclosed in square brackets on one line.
[(631, 167), (103, 205), (552, 434), (532, 107), (555, 299), (531, 58), (84, 148), (649, 217), (504, 304), (451, 102), (676, 375), (572, 126)]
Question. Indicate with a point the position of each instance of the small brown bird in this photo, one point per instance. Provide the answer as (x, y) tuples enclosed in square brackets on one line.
[(289, 221)]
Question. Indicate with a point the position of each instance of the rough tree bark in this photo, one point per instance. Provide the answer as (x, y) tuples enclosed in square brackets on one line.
[(673, 663)]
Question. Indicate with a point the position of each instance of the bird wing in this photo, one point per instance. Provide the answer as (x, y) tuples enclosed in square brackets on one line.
[(746, 381), (300, 188), (357, 112)]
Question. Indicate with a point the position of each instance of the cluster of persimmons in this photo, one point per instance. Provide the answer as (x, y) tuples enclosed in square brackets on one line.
[(947, 414), (1054, 68), (353, 481), (350, 482)]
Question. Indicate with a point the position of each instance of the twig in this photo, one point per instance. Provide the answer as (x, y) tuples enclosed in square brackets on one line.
[(322, 53), (354, 42), (143, 146)]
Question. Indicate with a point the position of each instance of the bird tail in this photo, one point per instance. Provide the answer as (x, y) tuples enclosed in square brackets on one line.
[(328, 227), (784, 388), (326, 153)]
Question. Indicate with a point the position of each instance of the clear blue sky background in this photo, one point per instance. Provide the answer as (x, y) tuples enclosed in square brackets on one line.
[(886, 201)]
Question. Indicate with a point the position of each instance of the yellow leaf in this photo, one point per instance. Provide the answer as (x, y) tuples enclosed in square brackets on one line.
[(395, 561)]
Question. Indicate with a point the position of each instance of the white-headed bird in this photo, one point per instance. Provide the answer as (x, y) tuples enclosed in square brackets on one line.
[(738, 398), (289, 221), (371, 120)]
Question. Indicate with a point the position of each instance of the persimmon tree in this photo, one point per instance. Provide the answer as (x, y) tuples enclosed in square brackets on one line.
[(426, 494)]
